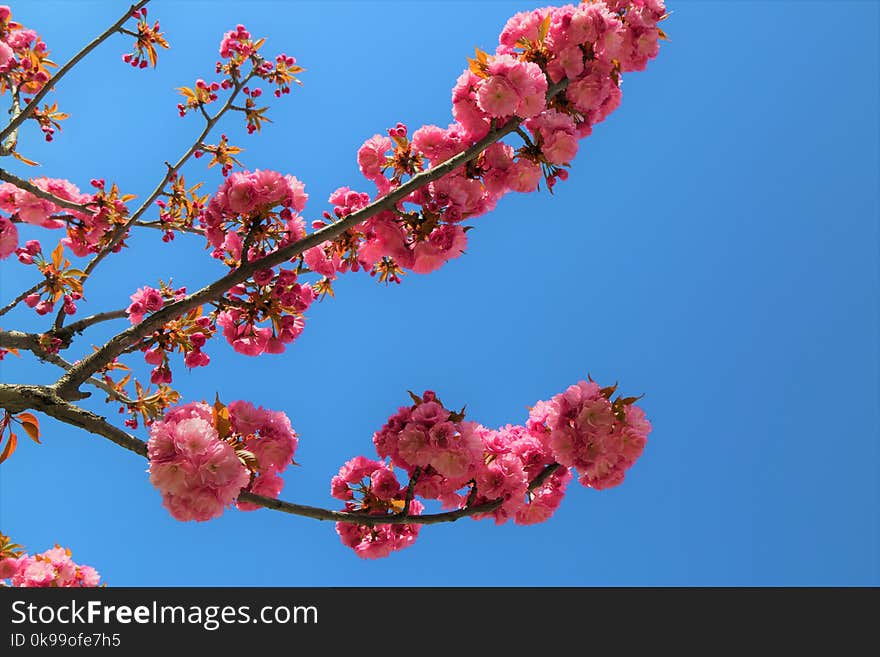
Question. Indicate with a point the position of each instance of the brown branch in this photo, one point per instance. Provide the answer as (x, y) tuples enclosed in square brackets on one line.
[(16, 398), (31, 342), (410, 491), (160, 226), (8, 145), (68, 384), (19, 397), (21, 297), (20, 340), (21, 183), (50, 84), (80, 325)]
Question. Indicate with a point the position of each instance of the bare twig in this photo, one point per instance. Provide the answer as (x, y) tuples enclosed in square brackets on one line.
[(160, 226), (35, 101), (410, 491), (8, 145), (21, 297), (80, 325)]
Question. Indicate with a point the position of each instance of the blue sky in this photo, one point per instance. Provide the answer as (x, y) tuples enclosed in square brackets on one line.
[(716, 248)]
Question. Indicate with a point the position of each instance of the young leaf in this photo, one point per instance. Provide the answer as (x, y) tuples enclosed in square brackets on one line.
[(31, 425), (221, 419), (22, 158), (58, 256), (10, 447)]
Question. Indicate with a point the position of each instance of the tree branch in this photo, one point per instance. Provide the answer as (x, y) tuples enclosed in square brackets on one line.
[(21, 297), (80, 325), (172, 169), (20, 340), (35, 101), (160, 226), (68, 384), (8, 145), (21, 183), (16, 398)]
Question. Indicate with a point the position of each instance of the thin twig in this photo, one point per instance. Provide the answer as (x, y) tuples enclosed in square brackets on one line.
[(161, 226), (80, 325), (21, 297), (410, 491), (50, 84)]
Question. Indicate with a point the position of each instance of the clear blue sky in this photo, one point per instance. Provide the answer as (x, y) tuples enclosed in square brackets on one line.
[(716, 248)]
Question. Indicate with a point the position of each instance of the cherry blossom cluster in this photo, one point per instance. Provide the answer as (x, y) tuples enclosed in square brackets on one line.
[(187, 333), (87, 232), (201, 458), (24, 67), (515, 472), (254, 213), (371, 487), (236, 48), (586, 430), (61, 280), (52, 568), (147, 38)]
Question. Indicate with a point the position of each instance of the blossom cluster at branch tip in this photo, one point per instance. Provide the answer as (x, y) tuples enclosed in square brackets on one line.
[(24, 70), (148, 38), (52, 568), (87, 231), (516, 472), (370, 487), (202, 457), (236, 48)]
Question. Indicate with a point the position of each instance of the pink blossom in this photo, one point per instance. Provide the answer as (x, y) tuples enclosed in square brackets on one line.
[(268, 484), (197, 474), (524, 176), (6, 55), (8, 237), (380, 540), (584, 431), (9, 567), (384, 484), (473, 120), (524, 25), (318, 261), (145, 300), (52, 568), (544, 500), (371, 156)]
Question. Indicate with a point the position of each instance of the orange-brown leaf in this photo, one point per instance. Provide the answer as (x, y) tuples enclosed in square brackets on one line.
[(222, 422), (22, 158), (58, 256), (30, 424), (545, 27), (11, 444)]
